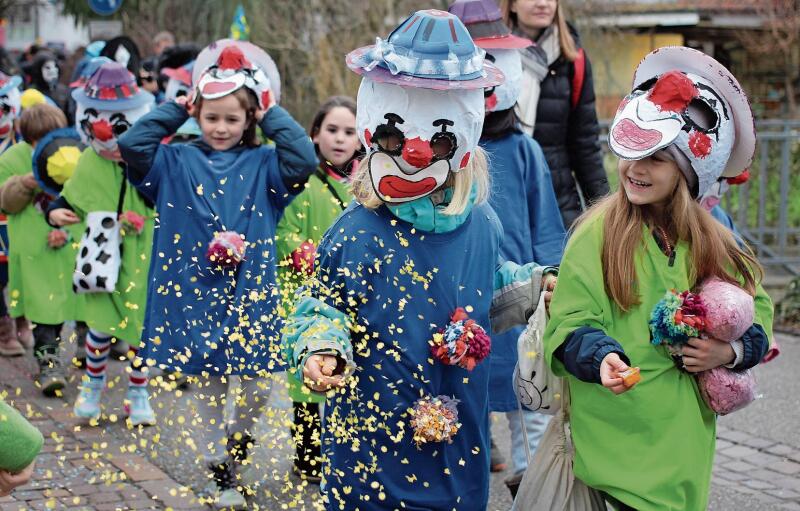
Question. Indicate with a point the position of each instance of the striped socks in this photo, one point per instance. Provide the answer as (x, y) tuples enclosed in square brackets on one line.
[(137, 376), (98, 346)]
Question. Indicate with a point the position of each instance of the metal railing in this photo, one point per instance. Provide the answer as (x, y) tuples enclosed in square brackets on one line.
[(766, 209)]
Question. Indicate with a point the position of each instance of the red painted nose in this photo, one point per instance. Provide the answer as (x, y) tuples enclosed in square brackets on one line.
[(102, 130), (417, 152)]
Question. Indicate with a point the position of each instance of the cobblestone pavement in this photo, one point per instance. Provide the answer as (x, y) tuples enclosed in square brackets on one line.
[(115, 467)]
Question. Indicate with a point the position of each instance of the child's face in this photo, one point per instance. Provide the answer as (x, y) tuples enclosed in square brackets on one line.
[(649, 181), (337, 139), (222, 122)]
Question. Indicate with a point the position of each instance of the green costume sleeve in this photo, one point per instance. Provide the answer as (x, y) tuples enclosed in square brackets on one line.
[(579, 298), (20, 441), (16, 161), (764, 312), (290, 228)]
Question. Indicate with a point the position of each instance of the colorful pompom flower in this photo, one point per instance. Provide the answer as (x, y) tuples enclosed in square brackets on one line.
[(463, 342), (435, 419), (226, 249), (131, 223), (677, 317)]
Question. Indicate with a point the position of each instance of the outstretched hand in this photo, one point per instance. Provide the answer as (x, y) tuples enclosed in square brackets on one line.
[(62, 217), (610, 378), (320, 373), (9, 481)]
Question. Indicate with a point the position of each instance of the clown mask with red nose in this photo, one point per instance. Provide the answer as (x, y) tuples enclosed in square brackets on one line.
[(415, 136), (9, 111), (101, 129)]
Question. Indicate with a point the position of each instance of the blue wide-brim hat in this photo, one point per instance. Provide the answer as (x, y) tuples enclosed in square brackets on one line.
[(55, 158), (431, 49), (112, 88), (7, 83)]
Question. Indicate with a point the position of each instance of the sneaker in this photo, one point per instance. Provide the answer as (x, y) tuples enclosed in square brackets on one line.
[(24, 332), (498, 462), (52, 378), (227, 496), (87, 406), (137, 406), (9, 344), (512, 483)]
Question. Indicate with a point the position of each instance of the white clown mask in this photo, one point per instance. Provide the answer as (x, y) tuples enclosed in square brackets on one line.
[(50, 71), (232, 71), (676, 108), (101, 129), (505, 95), (10, 105), (415, 136)]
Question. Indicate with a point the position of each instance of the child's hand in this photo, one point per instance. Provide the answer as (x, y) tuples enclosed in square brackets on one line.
[(56, 238), (29, 182), (259, 114), (610, 368), (9, 481), (63, 216), (319, 373), (186, 102), (704, 354), (549, 285)]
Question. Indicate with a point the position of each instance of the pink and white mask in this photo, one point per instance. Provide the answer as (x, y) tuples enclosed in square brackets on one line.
[(231, 72), (505, 95), (416, 137), (10, 105), (101, 129), (677, 108)]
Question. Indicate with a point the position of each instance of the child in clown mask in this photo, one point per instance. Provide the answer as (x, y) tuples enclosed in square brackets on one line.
[(524, 199), (108, 105), (686, 124), (396, 317), (211, 309)]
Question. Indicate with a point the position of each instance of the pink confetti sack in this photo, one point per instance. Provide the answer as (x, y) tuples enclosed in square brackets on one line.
[(730, 312)]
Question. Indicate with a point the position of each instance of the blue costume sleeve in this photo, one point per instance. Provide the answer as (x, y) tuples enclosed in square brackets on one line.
[(142, 141), (756, 343), (546, 224), (584, 350), (297, 159)]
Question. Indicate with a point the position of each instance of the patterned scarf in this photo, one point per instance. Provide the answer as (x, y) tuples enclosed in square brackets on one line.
[(536, 61)]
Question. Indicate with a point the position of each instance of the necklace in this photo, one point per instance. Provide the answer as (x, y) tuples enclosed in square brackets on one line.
[(670, 251)]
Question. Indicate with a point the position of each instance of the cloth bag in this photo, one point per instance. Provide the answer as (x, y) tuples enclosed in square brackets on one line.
[(537, 388), (549, 484), (99, 253)]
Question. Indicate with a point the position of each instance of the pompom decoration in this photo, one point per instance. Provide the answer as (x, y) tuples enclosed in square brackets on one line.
[(226, 249), (729, 310), (463, 343), (676, 317), (726, 391), (435, 419), (131, 223)]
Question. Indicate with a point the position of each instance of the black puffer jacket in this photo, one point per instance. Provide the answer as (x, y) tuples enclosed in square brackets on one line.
[(569, 138)]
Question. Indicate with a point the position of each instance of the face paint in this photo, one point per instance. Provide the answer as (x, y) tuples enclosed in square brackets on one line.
[(416, 137), (102, 129), (122, 55), (505, 95), (681, 109), (175, 89), (9, 110), (50, 71)]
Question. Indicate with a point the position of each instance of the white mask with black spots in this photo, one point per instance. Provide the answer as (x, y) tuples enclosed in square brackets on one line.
[(102, 129), (505, 95), (9, 110), (50, 72), (416, 136), (676, 108)]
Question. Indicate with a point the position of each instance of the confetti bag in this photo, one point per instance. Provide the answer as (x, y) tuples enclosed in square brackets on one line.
[(537, 388), (99, 256)]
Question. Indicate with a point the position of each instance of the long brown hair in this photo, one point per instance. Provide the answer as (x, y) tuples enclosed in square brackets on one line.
[(714, 250), (248, 101), (569, 48)]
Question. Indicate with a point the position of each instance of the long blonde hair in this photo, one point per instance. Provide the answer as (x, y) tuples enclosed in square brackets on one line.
[(714, 250), (476, 174), (569, 48)]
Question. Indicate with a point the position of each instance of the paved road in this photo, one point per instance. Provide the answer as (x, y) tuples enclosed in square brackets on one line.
[(113, 467)]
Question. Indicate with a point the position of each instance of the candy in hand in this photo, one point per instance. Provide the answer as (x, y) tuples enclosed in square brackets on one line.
[(630, 377)]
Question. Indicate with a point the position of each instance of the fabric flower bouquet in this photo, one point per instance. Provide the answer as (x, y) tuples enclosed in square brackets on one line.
[(721, 310)]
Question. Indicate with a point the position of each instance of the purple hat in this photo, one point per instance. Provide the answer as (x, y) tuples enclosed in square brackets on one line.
[(112, 87), (88, 70), (431, 50), (484, 21)]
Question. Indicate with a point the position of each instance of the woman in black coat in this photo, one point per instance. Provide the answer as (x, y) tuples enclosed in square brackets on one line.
[(557, 103)]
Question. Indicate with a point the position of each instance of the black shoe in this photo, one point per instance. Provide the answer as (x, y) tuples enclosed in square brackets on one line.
[(498, 462), (51, 377), (513, 482)]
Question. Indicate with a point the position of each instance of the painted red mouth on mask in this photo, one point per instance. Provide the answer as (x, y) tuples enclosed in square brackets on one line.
[(491, 102), (630, 136), (398, 188), (4, 130)]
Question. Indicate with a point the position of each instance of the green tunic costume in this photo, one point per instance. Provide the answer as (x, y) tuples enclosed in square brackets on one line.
[(307, 218), (652, 447), (95, 186), (39, 277)]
